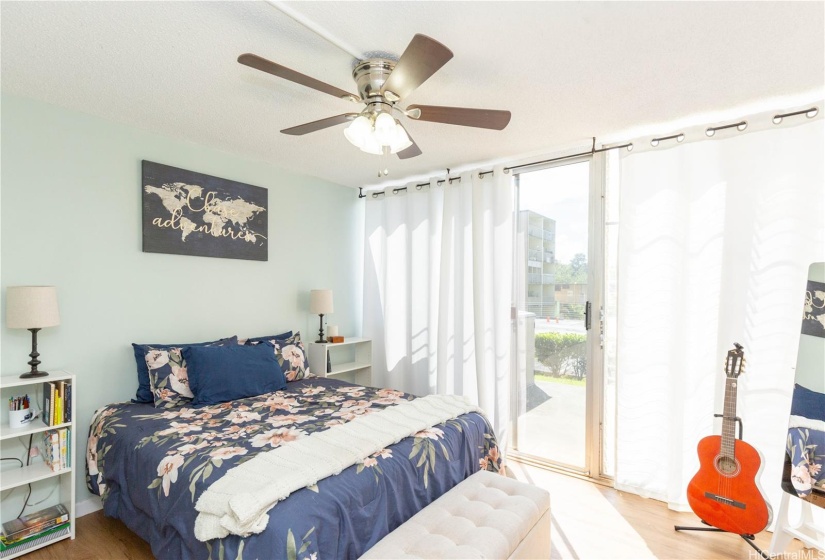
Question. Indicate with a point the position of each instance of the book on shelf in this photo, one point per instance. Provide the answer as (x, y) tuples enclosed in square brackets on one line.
[(47, 449), (9, 544), (57, 402), (54, 448), (59, 397), (35, 523), (47, 403), (67, 415), (62, 434)]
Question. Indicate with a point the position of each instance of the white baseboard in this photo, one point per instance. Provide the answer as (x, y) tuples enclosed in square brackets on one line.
[(86, 507)]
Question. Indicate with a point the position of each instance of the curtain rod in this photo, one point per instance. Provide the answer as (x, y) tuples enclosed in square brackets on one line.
[(629, 147), (419, 186), (710, 131)]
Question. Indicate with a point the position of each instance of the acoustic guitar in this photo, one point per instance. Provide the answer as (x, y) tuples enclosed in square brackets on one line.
[(724, 492)]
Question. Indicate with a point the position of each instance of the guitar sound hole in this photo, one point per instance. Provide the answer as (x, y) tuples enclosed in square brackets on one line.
[(726, 465)]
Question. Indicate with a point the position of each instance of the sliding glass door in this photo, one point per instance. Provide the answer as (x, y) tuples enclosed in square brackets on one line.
[(557, 357)]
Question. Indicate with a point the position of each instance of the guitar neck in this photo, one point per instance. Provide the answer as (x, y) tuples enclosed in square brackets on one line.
[(729, 418)]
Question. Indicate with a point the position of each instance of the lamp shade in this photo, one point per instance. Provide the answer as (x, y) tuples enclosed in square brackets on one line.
[(320, 302), (31, 307)]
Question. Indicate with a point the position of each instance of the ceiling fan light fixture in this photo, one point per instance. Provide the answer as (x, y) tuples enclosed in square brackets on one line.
[(386, 134), (359, 131), (401, 140), (385, 129), (371, 145)]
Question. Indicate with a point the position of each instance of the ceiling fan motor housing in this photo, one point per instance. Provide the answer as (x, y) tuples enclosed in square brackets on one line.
[(370, 76)]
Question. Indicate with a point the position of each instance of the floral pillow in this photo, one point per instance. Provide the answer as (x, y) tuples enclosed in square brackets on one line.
[(291, 356), (167, 377)]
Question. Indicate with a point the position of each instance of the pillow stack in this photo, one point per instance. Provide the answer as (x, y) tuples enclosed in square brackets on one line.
[(204, 373)]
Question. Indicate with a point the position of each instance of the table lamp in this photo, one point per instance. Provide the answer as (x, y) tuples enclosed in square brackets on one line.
[(32, 308), (320, 303)]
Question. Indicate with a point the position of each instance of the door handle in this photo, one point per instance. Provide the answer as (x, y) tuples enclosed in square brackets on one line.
[(587, 315)]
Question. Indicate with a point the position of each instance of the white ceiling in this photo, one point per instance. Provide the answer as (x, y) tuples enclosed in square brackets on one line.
[(566, 70)]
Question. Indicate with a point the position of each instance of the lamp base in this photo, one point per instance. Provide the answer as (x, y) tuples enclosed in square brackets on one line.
[(29, 374), (321, 338), (34, 362)]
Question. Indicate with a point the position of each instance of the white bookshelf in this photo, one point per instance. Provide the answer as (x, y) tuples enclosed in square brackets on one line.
[(58, 486), (350, 360)]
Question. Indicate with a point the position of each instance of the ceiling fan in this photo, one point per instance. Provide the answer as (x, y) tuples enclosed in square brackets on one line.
[(383, 84)]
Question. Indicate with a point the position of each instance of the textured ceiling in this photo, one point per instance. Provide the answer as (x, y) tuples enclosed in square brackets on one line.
[(566, 70)]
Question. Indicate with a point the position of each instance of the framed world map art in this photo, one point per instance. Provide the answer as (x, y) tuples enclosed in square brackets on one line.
[(189, 213)]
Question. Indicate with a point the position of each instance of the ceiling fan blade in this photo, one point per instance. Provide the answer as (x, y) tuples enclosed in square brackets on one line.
[(479, 118), (411, 151), (264, 65), (314, 126), (421, 59)]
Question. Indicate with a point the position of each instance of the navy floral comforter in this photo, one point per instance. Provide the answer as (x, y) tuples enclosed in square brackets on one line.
[(150, 466)]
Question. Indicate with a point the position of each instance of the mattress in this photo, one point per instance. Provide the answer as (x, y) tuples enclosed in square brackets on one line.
[(150, 466)]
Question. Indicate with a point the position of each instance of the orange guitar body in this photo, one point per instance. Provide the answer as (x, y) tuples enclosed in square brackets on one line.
[(724, 494)]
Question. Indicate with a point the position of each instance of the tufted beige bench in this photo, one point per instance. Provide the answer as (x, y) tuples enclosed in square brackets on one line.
[(485, 516)]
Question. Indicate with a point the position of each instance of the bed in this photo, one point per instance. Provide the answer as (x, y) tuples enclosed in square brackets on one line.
[(150, 465)]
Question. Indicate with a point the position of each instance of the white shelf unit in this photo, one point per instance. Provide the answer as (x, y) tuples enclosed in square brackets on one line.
[(62, 482), (350, 360)]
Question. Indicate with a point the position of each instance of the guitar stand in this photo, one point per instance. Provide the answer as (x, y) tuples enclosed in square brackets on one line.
[(747, 538)]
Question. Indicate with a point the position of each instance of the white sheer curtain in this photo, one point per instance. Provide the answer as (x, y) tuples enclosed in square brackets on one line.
[(438, 288), (715, 238)]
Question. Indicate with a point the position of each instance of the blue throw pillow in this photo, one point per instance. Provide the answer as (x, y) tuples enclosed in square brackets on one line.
[(807, 403), (225, 373), (282, 336), (144, 393)]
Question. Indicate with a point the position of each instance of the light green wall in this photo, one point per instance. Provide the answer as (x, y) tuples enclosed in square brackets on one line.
[(70, 216)]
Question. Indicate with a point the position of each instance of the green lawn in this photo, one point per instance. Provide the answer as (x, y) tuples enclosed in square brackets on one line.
[(563, 380)]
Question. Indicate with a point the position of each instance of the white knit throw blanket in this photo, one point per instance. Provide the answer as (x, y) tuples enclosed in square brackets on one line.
[(238, 502)]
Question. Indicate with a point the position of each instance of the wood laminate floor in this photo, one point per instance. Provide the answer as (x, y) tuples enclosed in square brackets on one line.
[(590, 522)]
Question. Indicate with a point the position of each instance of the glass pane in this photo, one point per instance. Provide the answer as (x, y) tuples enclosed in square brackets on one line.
[(553, 275)]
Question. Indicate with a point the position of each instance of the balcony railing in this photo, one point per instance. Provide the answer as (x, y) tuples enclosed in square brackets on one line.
[(536, 278), (555, 309), (539, 232)]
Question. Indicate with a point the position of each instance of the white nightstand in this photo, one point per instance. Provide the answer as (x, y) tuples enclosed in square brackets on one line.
[(350, 360), (52, 487)]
